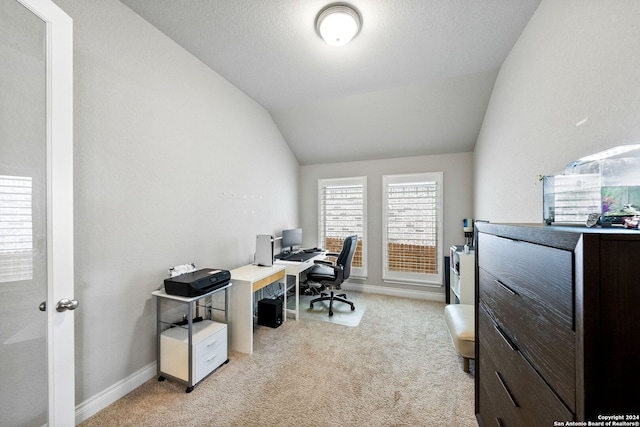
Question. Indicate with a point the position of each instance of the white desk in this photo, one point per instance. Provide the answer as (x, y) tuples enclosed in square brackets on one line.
[(246, 280), (294, 268)]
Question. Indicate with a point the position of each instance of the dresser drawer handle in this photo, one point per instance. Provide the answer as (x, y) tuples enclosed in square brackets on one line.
[(212, 343), (499, 422), (504, 337), (505, 287), (212, 357), (506, 390)]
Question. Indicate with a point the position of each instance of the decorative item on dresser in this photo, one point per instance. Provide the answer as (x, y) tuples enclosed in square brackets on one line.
[(556, 323)]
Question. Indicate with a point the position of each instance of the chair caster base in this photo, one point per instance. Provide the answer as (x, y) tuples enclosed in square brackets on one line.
[(331, 299)]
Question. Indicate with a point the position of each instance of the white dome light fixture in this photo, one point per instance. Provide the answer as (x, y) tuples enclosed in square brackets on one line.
[(338, 24)]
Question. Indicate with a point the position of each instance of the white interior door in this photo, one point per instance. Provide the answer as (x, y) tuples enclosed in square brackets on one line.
[(36, 215)]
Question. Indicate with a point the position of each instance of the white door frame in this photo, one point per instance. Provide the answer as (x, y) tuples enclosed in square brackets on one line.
[(60, 280)]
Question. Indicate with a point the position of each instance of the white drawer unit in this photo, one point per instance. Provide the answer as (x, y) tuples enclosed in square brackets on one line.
[(193, 346), (209, 350)]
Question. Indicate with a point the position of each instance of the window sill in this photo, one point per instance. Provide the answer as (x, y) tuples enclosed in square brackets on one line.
[(414, 282)]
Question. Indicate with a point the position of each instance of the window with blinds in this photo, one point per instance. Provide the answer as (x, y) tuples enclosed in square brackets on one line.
[(412, 228), (16, 230), (343, 212)]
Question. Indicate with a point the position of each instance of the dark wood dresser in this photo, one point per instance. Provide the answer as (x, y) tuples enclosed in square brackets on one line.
[(557, 324)]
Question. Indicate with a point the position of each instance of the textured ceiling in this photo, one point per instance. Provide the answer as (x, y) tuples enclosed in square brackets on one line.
[(415, 81)]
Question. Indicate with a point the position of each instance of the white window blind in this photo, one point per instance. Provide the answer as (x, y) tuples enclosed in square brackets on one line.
[(412, 228), (342, 212), (16, 230)]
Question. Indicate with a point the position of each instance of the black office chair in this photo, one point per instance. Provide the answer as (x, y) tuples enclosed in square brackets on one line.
[(332, 275)]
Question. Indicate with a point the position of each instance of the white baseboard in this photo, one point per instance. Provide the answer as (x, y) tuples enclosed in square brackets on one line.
[(118, 390), (395, 292)]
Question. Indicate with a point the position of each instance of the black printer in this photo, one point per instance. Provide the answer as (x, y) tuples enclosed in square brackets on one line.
[(197, 282)]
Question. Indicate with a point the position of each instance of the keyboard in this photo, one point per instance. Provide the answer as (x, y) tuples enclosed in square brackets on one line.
[(298, 256)]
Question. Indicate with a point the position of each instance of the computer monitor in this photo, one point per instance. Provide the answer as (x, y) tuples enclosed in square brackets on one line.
[(291, 238)]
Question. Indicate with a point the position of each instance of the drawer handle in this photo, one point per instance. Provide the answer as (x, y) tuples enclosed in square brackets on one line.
[(504, 337), (506, 390), (212, 343), (499, 421), (505, 287), (212, 357)]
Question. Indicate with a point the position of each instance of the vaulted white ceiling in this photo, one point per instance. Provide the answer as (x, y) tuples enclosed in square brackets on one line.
[(415, 81)]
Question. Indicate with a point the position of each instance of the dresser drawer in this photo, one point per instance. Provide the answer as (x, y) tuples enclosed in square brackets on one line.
[(494, 410), (533, 271), (545, 339), (210, 353), (519, 395), (209, 350)]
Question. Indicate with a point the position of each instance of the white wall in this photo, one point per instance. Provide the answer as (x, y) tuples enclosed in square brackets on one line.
[(173, 164), (458, 202), (576, 59)]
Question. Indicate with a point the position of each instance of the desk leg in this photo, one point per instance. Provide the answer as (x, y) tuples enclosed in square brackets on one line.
[(284, 304), (297, 296), (241, 317), (296, 311)]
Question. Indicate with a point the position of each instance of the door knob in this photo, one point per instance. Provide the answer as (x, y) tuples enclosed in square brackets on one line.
[(67, 304), (43, 306)]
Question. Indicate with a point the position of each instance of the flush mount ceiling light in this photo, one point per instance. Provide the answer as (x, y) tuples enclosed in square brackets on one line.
[(337, 24)]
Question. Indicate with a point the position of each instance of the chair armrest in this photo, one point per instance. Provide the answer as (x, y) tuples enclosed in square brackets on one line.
[(323, 262), (338, 271), (332, 254)]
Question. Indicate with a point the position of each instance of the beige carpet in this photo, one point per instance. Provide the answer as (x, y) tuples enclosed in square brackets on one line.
[(396, 368)]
